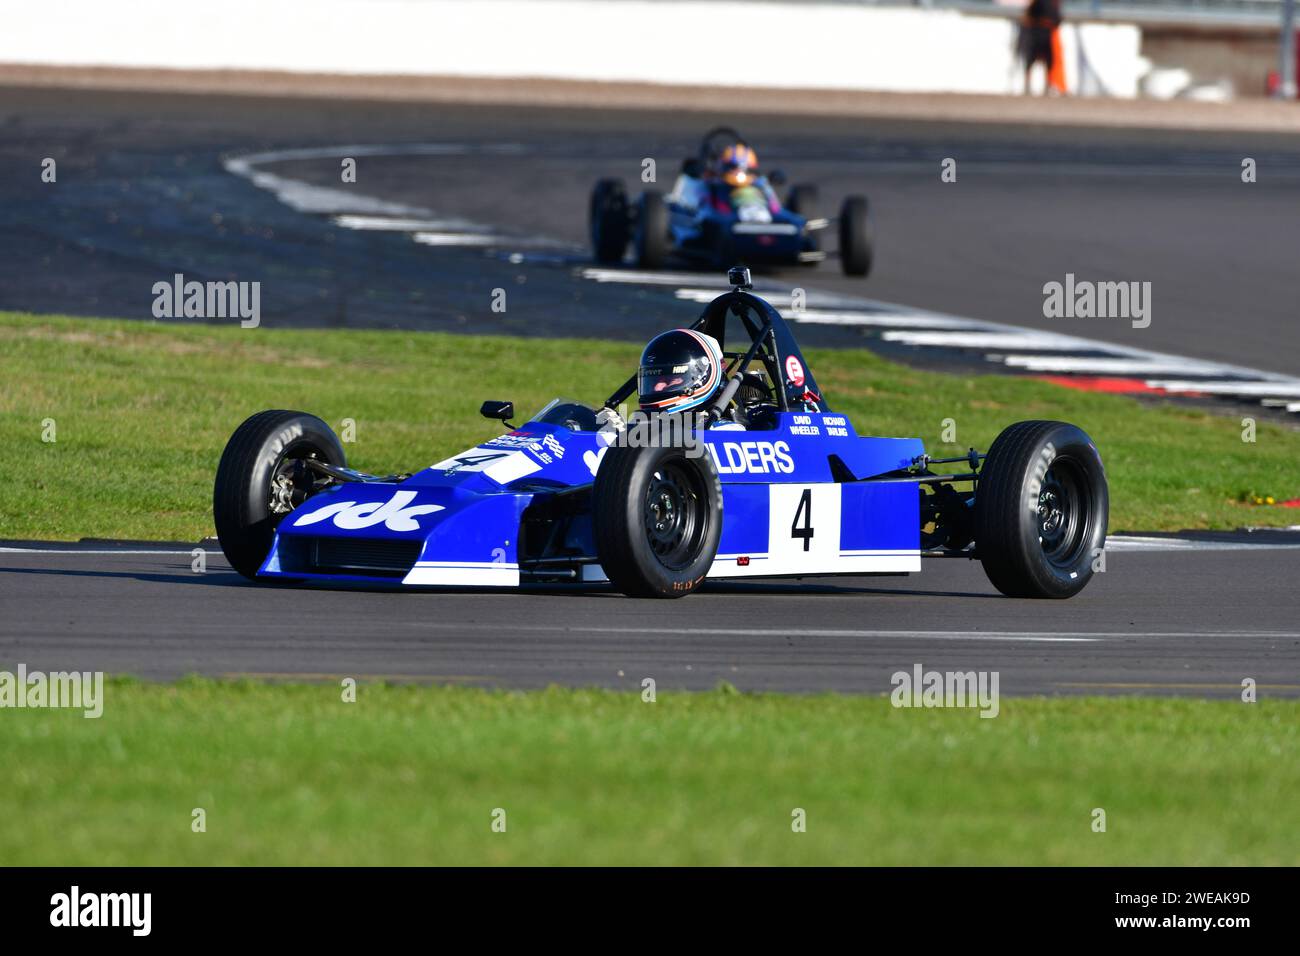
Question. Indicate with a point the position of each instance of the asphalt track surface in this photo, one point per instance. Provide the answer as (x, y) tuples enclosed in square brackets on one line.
[(142, 193), (1185, 622)]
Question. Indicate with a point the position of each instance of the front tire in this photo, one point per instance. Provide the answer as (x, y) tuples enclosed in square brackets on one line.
[(651, 231), (857, 249), (258, 481), (1041, 509), (608, 221), (657, 518)]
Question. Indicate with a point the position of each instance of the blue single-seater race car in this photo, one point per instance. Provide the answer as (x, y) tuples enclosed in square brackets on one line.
[(768, 481), (723, 210)]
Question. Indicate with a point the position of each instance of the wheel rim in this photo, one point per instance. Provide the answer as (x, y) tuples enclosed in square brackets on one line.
[(291, 482), (1065, 510), (674, 516)]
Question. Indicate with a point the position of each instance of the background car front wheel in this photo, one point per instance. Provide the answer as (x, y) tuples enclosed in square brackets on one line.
[(1041, 508), (608, 222), (857, 248), (651, 231), (261, 479), (657, 518)]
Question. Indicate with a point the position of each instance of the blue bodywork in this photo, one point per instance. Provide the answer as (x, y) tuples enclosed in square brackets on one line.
[(484, 496), (721, 224), (797, 494)]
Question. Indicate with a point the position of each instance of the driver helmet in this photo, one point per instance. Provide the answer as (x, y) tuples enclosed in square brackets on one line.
[(739, 165), (680, 370)]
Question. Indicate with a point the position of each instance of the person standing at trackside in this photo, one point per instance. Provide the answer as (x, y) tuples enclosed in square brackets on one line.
[(1040, 42)]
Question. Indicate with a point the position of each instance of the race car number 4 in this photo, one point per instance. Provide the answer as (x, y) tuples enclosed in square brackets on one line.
[(803, 526)]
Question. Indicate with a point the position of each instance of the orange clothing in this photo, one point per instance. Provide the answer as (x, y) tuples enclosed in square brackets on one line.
[(1056, 75)]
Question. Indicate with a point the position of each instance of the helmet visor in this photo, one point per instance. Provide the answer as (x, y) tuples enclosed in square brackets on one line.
[(658, 383)]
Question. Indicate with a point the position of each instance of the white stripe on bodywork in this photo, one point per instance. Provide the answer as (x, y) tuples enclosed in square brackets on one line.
[(485, 574), (850, 562), (511, 468)]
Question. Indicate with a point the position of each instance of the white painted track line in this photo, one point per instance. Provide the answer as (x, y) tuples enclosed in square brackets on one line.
[(405, 224), (1269, 389), (635, 277), (1004, 341), (916, 328), (455, 239), (1115, 542), (1145, 543), (77, 551), (1061, 637), (876, 320), (1107, 366)]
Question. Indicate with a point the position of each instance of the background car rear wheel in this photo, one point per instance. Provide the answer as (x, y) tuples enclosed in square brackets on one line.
[(856, 244), (608, 221), (804, 199), (1041, 508), (651, 231), (657, 518), (260, 480)]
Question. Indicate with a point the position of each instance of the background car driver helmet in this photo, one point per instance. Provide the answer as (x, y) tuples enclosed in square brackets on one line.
[(739, 165), (680, 370)]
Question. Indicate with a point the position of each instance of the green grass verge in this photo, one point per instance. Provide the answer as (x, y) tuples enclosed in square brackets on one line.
[(141, 412), (289, 774)]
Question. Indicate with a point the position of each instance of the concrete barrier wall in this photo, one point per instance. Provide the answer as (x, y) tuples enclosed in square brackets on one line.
[(832, 46)]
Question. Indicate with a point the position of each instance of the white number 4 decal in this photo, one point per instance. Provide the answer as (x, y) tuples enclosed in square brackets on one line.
[(803, 527), (470, 461)]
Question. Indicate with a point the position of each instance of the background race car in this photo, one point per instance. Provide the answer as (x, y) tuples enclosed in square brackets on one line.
[(723, 209)]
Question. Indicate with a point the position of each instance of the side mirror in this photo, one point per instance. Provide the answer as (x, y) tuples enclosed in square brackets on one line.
[(776, 177), (498, 410)]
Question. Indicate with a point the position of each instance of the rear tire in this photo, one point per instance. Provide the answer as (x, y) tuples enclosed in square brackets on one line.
[(608, 222), (656, 518), (651, 231), (1041, 508), (263, 448), (856, 244)]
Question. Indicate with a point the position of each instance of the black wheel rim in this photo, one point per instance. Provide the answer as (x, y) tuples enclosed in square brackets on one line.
[(291, 481), (1065, 509), (675, 515)]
